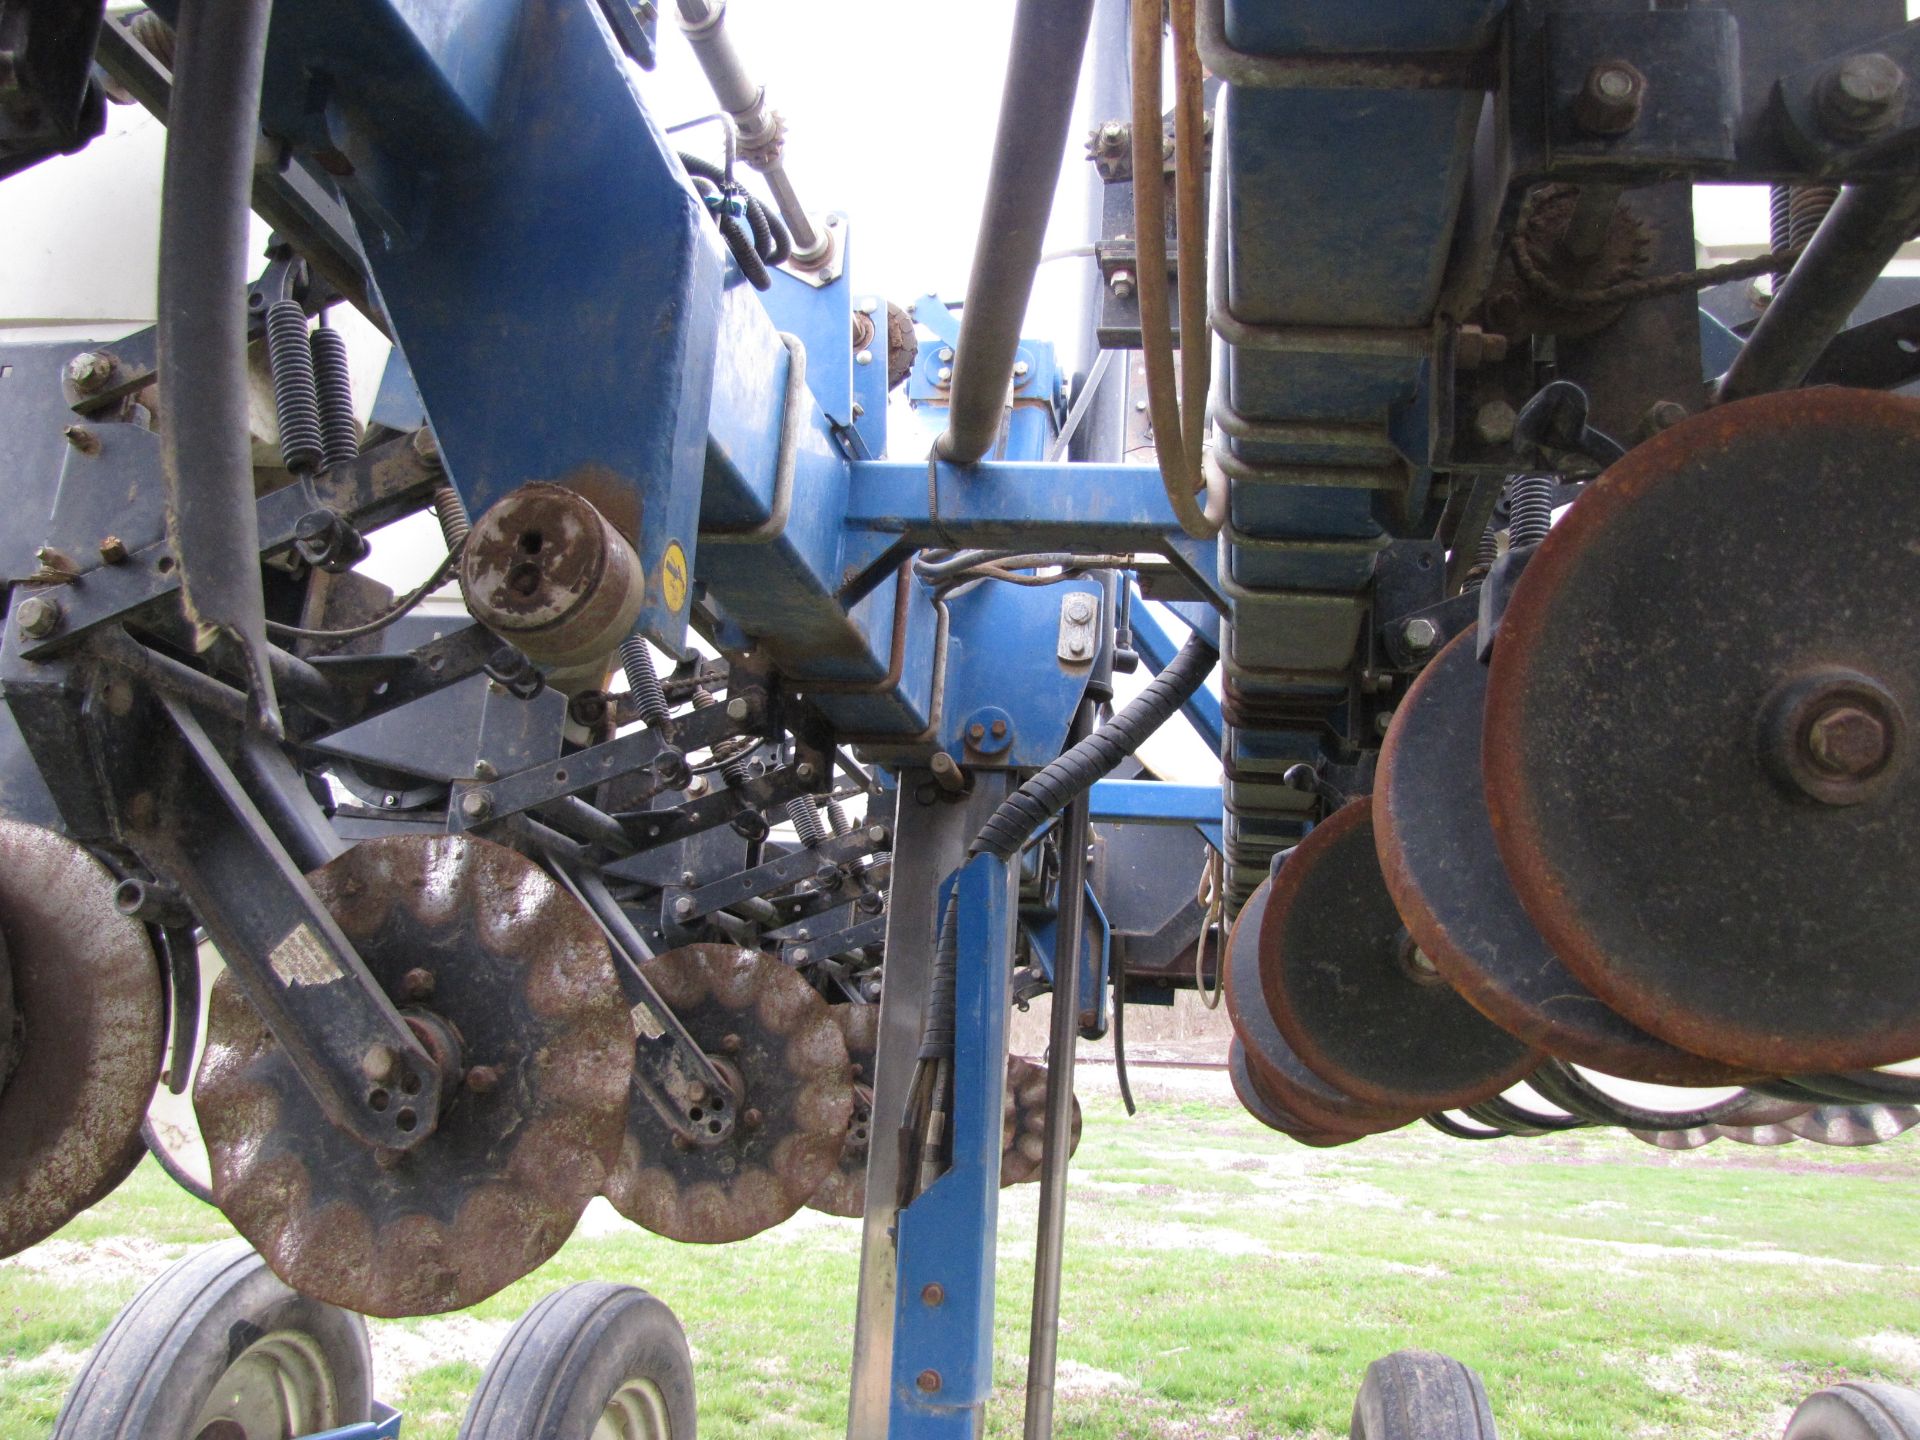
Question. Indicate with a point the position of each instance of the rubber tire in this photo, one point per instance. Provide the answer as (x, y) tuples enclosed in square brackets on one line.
[(1421, 1395), (1857, 1411), (560, 1364), (159, 1360)]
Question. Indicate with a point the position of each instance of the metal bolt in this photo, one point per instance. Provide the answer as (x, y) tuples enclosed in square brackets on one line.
[(1113, 132), (483, 770), (89, 371), (1120, 284), (751, 1118), (1076, 645), (933, 1293), (976, 732), (863, 357), (379, 1063), (1611, 100), (805, 770), (877, 834), (696, 1092), (482, 1078), (1420, 634), (1079, 608), (802, 955), (1383, 721), (426, 445), (944, 354), (1663, 415), (927, 1382), (867, 305), (1493, 423), (1861, 95), (999, 729), (683, 907), (729, 1044), (1849, 741), (476, 805), (82, 439), (39, 617), (944, 374), (1020, 367), (113, 550), (417, 984), (737, 708)]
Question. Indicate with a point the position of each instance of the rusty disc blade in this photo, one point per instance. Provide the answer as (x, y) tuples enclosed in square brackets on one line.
[(844, 1192), (1763, 1135), (1444, 872), (1854, 1124), (87, 1029), (475, 938), (1696, 1138), (795, 1101), (1283, 1078), (1698, 731), (1347, 990), (1268, 1111), (1025, 1139)]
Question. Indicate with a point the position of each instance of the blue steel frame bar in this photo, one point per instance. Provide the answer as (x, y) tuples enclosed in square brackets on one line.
[(1153, 802), (1158, 648), (943, 1338)]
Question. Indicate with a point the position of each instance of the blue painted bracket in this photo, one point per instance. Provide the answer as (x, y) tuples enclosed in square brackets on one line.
[(1153, 802), (943, 1338)]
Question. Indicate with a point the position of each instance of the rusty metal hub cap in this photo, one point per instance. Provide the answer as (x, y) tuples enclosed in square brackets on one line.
[(1444, 872), (794, 1104), (1356, 999), (844, 1192), (85, 1025), (1698, 734), (1024, 1138), (478, 946)]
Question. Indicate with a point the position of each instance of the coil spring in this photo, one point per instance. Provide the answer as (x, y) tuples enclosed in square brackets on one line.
[(451, 511), (733, 766), (1530, 509), (1807, 207), (339, 431), (1487, 552), (837, 818), (805, 816), (637, 660), (296, 397), (155, 34), (1780, 217)]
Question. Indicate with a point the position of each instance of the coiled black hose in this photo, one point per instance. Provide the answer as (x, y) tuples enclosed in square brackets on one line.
[(1073, 774), (339, 432), (296, 396), (740, 243), (765, 233)]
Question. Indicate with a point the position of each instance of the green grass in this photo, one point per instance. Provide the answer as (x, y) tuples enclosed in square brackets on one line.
[(1222, 1282)]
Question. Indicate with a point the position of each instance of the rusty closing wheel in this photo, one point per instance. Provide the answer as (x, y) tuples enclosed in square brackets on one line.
[(1024, 1137), (1699, 731), (844, 1192), (1284, 1081), (1446, 878), (1853, 1125), (1354, 996), (84, 1024), (768, 1030), (508, 981)]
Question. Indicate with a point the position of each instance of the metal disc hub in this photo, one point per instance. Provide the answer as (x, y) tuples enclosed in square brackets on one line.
[(1698, 734), (1447, 881), (1356, 999), (84, 1025), (508, 981), (794, 1102)]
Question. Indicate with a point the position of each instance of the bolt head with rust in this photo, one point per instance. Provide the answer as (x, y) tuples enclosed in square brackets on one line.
[(417, 984), (1610, 102), (38, 616), (1861, 95), (927, 1382), (113, 550), (1121, 284), (379, 1063), (933, 1293), (89, 371), (1849, 741), (476, 805), (1420, 635), (482, 1078)]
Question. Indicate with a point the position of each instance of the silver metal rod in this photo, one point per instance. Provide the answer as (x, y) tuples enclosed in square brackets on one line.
[(1036, 113), (1063, 1036), (1860, 236), (761, 142)]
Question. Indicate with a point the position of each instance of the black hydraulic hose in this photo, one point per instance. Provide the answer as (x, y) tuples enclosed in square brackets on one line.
[(206, 454), (740, 243), (1054, 788), (1036, 115), (777, 246)]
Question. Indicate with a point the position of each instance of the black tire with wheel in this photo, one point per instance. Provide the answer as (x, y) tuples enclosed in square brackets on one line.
[(591, 1355), (218, 1347), (1857, 1411), (1421, 1395)]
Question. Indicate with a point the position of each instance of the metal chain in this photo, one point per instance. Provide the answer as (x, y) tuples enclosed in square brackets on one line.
[(1626, 291)]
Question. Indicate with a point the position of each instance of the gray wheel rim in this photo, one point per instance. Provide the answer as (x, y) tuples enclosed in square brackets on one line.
[(280, 1387), (636, 1411)]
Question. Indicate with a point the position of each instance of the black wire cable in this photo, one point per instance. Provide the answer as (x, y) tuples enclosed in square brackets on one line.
[(1073, 774)]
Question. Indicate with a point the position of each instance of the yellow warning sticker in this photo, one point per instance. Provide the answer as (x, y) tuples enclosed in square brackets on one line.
[(673, 576)]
